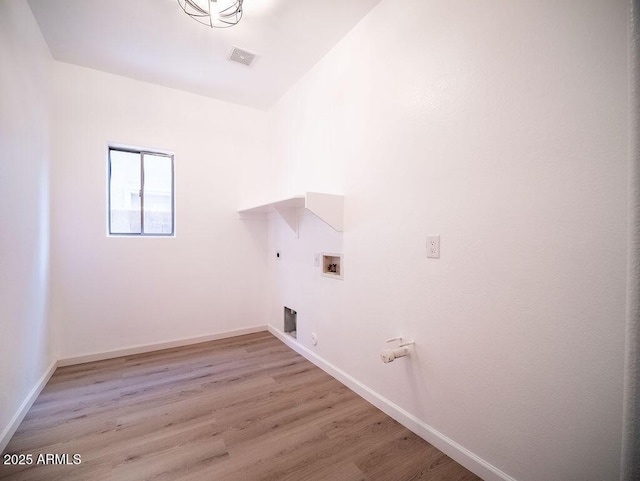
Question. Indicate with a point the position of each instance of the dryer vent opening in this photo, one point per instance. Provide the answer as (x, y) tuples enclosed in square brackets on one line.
[(290, 322)]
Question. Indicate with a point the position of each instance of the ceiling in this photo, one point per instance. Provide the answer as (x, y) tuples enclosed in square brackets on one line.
[(154, 41)]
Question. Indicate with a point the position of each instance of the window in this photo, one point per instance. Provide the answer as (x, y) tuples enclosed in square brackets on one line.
[(141, 199)]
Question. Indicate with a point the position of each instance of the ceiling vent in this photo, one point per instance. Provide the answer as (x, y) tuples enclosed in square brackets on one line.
[(242, 56)]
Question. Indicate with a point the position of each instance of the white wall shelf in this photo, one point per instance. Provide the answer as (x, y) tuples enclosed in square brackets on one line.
[(327, 207)]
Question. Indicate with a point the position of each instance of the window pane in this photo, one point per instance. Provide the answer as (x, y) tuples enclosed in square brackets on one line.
[(124, 192), (158, 198)]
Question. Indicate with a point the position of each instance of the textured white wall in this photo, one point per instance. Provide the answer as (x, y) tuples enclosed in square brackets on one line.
[(502, 127), (114, 293), (25, 99)]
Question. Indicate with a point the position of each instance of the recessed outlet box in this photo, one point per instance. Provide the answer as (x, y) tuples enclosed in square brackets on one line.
[(332, 266)]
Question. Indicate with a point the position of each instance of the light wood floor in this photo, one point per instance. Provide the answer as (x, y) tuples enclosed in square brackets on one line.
[(246, 408)]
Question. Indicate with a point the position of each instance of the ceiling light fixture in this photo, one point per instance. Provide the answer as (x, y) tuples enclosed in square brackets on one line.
[(214, 13)]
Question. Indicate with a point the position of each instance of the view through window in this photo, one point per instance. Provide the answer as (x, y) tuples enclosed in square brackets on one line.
[(141, 197)]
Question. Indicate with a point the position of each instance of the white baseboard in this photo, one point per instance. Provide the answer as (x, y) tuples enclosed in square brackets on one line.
[(139, 349), (22, 411), (458, 453)]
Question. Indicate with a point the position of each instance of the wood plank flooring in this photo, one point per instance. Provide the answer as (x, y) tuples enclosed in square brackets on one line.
[(239, 409)]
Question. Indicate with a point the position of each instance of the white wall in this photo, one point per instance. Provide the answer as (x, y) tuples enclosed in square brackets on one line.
[(25, 97), (501, 127), (112, 293)]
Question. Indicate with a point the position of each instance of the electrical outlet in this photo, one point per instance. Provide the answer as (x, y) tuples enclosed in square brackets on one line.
[(433, 246)]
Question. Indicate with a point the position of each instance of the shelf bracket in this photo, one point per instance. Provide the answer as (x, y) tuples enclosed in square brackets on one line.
[(290, 216), (327, 207)]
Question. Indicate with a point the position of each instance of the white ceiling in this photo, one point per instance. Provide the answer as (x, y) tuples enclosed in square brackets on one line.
[(154, 41)]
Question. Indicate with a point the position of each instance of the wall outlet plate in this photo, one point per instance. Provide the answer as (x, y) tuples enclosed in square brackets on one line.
[(433, 246)]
